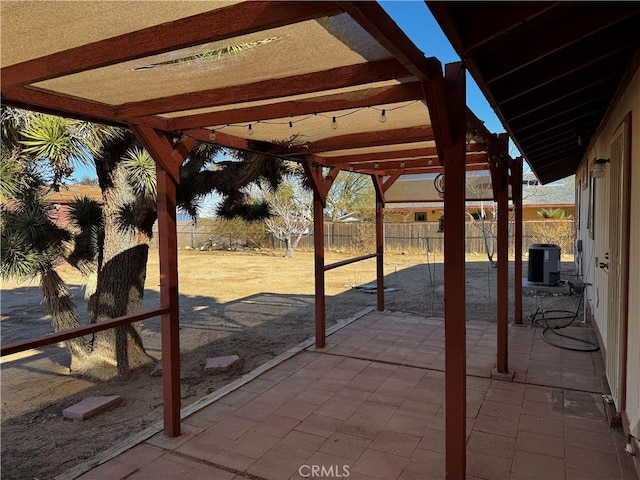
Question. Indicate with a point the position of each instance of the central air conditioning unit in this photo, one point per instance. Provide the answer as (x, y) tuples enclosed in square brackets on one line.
[(544, 264)]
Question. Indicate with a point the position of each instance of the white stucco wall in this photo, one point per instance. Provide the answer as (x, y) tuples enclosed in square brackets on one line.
[(596, 293)]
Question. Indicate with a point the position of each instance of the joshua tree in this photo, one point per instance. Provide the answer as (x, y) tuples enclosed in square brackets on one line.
[(38, 152)]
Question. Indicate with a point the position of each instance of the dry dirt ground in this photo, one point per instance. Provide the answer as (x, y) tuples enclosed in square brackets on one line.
[(253, 304)]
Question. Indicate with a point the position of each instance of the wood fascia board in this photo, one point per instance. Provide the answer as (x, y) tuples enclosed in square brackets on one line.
[(378, 96), (380, 26), (163, 151), (339, 77), (235, 20)]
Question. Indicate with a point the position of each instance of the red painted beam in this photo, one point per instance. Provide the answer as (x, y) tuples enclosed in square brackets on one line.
[(339, 77), (326, 103), (380, 26), (454, 277)]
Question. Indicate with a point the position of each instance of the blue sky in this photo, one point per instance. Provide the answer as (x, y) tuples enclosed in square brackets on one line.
[(416, 21)]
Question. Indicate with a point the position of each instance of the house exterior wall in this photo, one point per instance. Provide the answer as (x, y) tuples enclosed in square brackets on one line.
[(596, 243)]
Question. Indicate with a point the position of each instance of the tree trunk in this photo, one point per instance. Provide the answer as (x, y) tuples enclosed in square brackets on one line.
[(291, 243), (128, 219), (289, 248), (63, 312)]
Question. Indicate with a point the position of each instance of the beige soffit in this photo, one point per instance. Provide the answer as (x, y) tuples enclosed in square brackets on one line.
[(296, 49), (38, 28)]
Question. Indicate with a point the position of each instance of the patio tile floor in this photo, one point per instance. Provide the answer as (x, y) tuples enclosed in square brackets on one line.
[(372, 403)]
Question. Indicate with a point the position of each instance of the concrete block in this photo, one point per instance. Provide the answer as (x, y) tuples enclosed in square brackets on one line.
[(91, 406), (221, 364)]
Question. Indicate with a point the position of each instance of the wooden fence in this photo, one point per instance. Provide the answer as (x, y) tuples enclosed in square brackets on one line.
[(399, 237)]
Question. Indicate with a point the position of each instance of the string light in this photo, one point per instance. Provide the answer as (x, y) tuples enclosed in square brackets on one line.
[(382, 118)]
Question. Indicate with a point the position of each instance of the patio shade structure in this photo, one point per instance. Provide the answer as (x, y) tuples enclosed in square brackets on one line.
[(332, 85)]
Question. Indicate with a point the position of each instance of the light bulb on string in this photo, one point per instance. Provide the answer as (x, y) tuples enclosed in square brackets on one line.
[(383, 116), (334, 123), (250, 130)]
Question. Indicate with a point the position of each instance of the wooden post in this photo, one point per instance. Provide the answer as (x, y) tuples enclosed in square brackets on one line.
[(380, 188), (503, 275), (321, 186), (168, 157), (454, 276), (380, 251), (318, 249), (516, 191), (170, 328)]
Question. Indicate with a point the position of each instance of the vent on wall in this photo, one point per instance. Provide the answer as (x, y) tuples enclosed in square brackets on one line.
[(544, 264)]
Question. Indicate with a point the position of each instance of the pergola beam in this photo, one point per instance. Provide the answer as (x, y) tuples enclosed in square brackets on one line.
[(58, 104), (380, 26), (374, 139), (338, 77), (420, 171), (219, 24), (426, 152), (329, 103)]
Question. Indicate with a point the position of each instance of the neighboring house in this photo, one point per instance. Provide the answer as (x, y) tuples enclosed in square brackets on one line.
[(60, 200), (558, 195)]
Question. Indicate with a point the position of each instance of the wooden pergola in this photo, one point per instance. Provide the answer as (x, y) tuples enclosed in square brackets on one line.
[(332, 85)]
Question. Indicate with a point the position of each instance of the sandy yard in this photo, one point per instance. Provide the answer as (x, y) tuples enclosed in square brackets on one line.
[(253, 304)]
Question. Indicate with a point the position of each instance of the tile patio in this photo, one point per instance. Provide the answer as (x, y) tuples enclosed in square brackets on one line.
[(371, 405)]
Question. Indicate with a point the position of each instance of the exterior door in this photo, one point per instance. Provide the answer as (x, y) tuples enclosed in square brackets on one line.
[(618, 205)]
